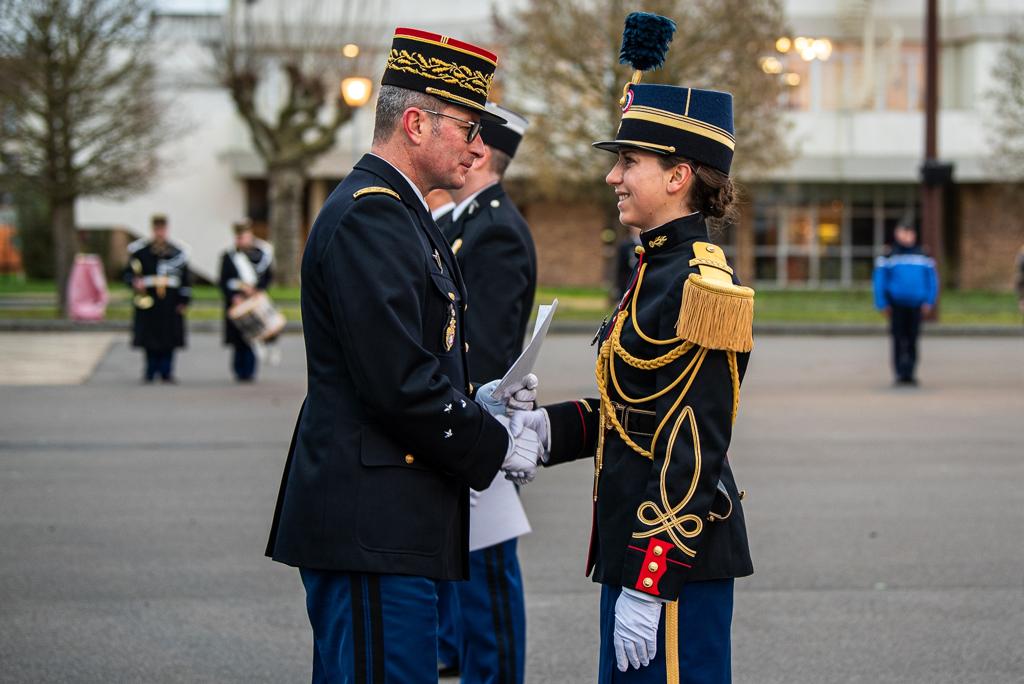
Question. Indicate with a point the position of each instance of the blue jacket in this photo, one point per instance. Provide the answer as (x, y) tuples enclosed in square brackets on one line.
[(905, 277)]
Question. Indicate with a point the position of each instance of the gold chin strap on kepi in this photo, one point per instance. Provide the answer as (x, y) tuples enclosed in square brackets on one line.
[(714, 312)]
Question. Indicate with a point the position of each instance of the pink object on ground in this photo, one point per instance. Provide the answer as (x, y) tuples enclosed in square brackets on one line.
[(87, 289)]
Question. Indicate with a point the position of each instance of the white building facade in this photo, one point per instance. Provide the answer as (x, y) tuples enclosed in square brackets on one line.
[(856, 108)]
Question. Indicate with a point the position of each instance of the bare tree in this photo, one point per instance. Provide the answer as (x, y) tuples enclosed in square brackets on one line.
[(562, 68), (283, 64), (1007, 98), (77, 90)]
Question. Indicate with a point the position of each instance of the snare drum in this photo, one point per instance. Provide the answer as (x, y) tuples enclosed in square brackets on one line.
[(257, 319)]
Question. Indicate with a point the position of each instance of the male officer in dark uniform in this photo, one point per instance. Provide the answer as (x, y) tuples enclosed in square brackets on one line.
[(496, 255), (245, 269), (158, 272), (374, 501)]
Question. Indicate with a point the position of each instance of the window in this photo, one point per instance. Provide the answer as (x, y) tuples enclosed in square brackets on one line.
[(818, 235)]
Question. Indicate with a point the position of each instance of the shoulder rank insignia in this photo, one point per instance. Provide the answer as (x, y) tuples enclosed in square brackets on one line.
[(374, 190), (715, 313)]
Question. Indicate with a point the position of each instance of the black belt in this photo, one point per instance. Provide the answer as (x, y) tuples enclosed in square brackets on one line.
[(635, 421)]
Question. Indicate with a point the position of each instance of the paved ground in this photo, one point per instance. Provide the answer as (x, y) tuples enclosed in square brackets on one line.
[(43, 359), (886, 524)]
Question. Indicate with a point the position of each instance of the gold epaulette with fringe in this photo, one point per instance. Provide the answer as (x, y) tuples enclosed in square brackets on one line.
[(715, 313), (374, 190)]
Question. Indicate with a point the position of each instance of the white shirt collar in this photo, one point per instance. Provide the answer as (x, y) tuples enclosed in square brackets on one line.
[(464, 204), (442, 210), (411, 184)]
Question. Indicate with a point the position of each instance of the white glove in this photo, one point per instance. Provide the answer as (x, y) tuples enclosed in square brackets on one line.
[(524, 450), (538, 421), (519, 397), (524, 397), (636, 629), (474, 497)]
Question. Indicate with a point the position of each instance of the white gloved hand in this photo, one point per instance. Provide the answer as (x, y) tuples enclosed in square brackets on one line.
[(474, 497), (520, 397), (524, 450), (538, 421), (636, 629), (524, 397), (493, 405)]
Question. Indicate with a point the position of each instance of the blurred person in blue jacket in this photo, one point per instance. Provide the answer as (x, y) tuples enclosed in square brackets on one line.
[(906, 285)]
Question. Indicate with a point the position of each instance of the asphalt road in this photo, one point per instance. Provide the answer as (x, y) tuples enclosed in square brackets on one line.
[(887, 525)]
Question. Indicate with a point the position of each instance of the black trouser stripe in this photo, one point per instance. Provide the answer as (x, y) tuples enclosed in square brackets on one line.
[(493, 573), (358, 630), (506, 605), (376, 629)]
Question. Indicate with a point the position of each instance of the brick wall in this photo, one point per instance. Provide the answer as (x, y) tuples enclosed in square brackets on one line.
[(568, 241), (991, 227)]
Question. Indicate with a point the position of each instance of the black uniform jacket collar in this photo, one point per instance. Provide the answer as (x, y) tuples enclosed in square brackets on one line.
[(681, 231), (371, 163), (475, 208)]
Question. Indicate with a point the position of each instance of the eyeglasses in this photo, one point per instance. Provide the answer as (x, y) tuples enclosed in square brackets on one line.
[(473, 129)]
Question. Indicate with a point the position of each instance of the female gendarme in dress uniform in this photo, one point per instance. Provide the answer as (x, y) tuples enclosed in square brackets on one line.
[(668, 535)]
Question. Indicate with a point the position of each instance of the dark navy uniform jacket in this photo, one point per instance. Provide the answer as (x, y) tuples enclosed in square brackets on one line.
[(499, 263), (660, 522), (388, 440), (164, 270)]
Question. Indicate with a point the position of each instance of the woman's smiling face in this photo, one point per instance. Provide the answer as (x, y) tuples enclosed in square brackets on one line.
[(642, 188)]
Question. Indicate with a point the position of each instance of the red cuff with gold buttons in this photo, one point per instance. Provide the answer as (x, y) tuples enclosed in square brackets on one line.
[(656, 569)]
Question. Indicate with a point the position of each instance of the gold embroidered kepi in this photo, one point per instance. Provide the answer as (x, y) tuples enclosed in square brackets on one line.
[(451, 70)]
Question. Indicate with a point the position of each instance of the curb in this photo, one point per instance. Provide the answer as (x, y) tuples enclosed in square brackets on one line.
[(560, 328)]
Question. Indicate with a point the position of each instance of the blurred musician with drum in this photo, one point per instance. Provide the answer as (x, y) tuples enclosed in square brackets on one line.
[(157, 271), (245, 273)]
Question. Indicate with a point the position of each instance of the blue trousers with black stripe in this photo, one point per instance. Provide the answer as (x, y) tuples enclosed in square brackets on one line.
[(372, 629), (492, 623), (694, 638)]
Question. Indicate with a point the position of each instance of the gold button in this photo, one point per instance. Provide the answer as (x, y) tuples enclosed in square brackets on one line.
[(711, 248), (451, 296), (658, 551), (409, 458), (652, 566), (648, 582)]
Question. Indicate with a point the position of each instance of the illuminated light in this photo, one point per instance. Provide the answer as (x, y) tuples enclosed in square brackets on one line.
[(356, 91), (801, 43), (822, 48), (783, 44), (828, 233), (807, 54), (771, 65), (792, 79), (351, 50)]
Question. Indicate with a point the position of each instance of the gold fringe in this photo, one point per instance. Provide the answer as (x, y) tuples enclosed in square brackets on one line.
[(716, 315)]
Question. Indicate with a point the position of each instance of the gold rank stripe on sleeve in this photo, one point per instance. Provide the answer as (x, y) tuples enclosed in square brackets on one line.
[(375, 190)]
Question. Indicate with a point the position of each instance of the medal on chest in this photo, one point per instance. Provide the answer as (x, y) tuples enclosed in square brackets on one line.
[(449, 331)]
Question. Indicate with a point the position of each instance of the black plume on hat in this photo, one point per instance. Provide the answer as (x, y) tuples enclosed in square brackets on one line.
[(645, 40)]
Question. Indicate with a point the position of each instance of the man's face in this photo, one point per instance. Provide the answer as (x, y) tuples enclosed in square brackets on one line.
[(243, 240), (160, 232), (446, 157), (906, 237)]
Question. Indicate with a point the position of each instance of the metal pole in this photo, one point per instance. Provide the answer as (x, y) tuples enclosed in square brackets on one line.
[(931, 191)]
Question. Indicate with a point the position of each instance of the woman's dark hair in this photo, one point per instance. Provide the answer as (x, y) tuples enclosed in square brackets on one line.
[(712, 193)]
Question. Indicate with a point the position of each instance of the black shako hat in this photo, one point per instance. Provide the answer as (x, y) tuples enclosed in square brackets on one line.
[(503, 136), (665, 119), (451, 70)]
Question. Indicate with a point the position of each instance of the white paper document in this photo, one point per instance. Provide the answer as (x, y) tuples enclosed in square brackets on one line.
[(497, 516), (526, 361)]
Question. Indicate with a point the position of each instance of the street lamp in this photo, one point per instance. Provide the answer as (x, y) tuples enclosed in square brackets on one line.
[(356, 91)]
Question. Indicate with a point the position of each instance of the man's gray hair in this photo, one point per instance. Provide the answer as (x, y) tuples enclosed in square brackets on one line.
[(392, 102)]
